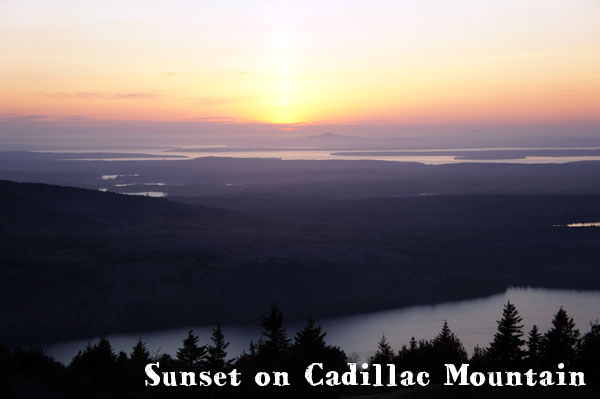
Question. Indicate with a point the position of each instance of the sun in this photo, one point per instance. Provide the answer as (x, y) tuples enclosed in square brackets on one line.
[(284, 88)]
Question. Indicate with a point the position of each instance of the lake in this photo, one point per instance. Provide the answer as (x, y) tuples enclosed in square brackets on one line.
[(473, 321)]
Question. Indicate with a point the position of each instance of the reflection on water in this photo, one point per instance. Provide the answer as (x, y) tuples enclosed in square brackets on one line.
[(589, 224), (474, 321), (139, 184), (155, 194), (113, 177), (592, 224)]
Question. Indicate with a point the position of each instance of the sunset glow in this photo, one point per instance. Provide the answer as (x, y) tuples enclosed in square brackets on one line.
[(302, 62)]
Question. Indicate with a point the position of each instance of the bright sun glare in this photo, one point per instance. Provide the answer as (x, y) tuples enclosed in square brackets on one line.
[(283, 96)]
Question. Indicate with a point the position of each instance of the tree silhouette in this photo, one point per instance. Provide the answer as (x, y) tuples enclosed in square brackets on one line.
[(447, 347), (589, 352), (480, 359), (191, 356), (506, 348), (413, 344), (416, 356), (97, 360), (95, 372), (252, 349), (216, 353), (534, 347), (92, 370), (385, 353), (309, 347), (140, 353), (274, 337), (310, 338), (561, 340)]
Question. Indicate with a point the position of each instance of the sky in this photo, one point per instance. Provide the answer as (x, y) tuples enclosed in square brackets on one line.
[(421, 63)]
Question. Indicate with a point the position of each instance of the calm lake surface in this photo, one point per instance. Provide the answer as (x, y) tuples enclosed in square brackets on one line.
[(474, 321)]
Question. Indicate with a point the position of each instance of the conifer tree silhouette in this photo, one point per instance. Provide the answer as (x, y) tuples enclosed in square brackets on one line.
[(385, 353), (447, 347), (506, 349), (589, 352), (191, 356), (274, 337), (310, 338), (140, 353), (216, 353), (561, 340), (534, 347)]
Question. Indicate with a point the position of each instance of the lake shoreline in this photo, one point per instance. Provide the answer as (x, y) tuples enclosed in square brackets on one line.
[(340, 327)]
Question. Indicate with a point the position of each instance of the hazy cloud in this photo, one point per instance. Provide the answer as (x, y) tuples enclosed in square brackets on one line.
[(214, 119), (18, 117), (94, 95)]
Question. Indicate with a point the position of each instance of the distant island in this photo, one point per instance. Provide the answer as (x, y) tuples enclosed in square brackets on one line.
[(481, 154)]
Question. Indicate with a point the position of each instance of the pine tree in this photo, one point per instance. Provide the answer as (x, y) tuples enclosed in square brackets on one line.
[(98, 361), (253, 350), (506, 348), (561, 340), (409, 357), (311, 338), (103, 351), (534, 347), (447, 347), (216, 352), (589, 352), (274, 337), (309, 347), (191, 356), (140, 353), (479, 360), (385, 353), (413, 345)]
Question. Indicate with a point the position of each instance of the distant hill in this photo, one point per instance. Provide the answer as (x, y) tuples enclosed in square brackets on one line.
[(75, 262), (37, 208)]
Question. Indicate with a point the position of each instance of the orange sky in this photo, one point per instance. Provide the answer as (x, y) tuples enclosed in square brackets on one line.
[(418, 62)]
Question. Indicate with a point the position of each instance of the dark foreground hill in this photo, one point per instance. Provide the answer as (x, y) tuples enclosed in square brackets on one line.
[(76, 263)]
